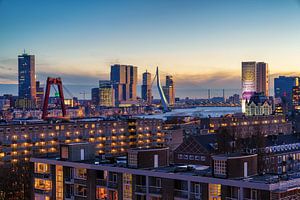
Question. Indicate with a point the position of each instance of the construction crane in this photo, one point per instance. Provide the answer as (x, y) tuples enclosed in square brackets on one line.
[(83, 94)]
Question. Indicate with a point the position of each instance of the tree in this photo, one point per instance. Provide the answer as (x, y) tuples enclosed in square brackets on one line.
[(15, 181)]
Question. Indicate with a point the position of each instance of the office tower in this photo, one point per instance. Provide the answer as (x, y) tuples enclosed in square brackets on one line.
[(26, 70), (296, 99), (106, 94), (248, 79), (95, 96), (103, 95), (169, 90), (146, 88), (124, 78), (262, 78), (248, 82), (39, 94), (283, 88)]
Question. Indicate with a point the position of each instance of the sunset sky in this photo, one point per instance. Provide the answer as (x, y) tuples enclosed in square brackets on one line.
[(201, 43)]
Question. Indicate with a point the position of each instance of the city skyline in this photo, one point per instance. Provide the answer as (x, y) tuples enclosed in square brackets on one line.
[(200, 43)]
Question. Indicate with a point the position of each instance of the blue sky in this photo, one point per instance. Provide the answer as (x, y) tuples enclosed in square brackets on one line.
[(201, 43)]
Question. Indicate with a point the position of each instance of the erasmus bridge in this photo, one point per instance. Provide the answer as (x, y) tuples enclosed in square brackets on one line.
[(163, 98)]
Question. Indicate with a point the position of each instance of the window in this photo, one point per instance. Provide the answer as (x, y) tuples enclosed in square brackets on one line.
[(179, 156), (80, 173), (197, 157), (279, 159), (158, 182), (186, 157), (42, 184), (191, 157), (115, 178), (203, 158), (220, 167), (101, 193), (41, 168), (80, 190)]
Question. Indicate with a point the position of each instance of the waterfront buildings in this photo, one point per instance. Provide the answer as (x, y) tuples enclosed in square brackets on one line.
[(26, 80), (147, 88), (259, 104), (169, 90), (230, 176), (22, 139), (255, 78), (124, 78)]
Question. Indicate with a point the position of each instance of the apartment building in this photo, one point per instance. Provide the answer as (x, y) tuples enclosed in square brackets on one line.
[(245, 126), (22, 139), (231, 176)]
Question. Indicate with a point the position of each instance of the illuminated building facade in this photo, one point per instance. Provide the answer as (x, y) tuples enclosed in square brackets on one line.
[(26, 78), (245, 126), (169, 90), (104, 95), (146, 88), (296, 98), (248, 81), (19, 141), (259, 104)]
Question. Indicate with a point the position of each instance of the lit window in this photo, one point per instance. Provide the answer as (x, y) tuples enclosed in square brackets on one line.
[(42, 184), (80, 173), (41, 168)]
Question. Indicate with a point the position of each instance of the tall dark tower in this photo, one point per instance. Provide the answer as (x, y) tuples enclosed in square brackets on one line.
[(26, 78), (146, 88)]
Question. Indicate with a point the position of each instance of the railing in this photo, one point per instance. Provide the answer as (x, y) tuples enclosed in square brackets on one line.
[(155, 190), (140, 188), (181, 193), (101, 182), (112, 184), (195, 196)]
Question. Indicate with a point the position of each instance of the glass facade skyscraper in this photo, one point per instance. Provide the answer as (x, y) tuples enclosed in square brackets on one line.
[(26, 77)]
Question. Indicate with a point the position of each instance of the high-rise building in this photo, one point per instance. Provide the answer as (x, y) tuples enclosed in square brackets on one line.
[(26, 70), (146, 88), (124, 78), (262, 78), (248, 79), (255, 78), (104, 95), (296, 98), (169, 90), (283, 88), (39, 94)]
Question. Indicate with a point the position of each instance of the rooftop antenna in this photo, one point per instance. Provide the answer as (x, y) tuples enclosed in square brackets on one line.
[(24, 51)]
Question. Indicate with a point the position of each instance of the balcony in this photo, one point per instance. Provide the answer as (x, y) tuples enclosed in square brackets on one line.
[(140, 189), (113, 185), (155, 190), (69, 180), (101, 182), (195, 196), (181, 194)]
